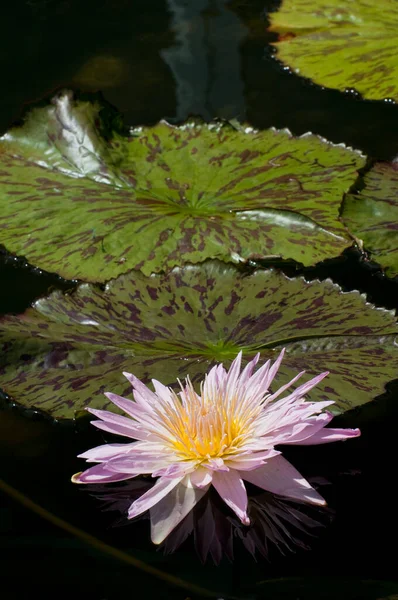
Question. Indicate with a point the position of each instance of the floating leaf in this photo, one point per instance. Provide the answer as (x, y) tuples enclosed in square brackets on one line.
[(62, 354), (372, 215), (90, 206), (350, 44)]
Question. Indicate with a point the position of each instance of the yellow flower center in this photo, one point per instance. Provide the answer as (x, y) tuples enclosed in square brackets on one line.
[(207, 437), (202, 428)]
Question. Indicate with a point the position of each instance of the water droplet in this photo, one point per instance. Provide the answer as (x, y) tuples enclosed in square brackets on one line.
[(353, 92)]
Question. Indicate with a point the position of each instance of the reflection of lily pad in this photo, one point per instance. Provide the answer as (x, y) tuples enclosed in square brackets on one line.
[(65, 351), (372, 215), (87, 207), (341, 44)]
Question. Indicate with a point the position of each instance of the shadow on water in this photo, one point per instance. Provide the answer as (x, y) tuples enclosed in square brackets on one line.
[(174, 58)]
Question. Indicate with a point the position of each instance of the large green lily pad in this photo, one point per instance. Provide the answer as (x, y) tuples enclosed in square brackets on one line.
[(92, 206), (341, 43), (64, 352), (372, 215)]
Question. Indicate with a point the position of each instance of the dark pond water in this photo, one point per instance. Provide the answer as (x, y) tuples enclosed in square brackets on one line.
[(173, 58)]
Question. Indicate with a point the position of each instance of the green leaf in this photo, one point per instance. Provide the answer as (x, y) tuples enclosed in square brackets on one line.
[(62, 354), (92, 206), (372, 215), (350, 44)]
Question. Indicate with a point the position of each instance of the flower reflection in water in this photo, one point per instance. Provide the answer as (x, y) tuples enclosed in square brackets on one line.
[(275, 522)]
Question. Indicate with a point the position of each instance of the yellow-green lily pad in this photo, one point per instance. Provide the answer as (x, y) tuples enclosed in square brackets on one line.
[(341, 43)]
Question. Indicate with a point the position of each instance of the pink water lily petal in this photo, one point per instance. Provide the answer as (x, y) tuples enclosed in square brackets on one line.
[(232, 490), (259, 379), (161, 488), (137, 465), (143, 403), (201, 477), (141, 388), (145, 419), (283, 388), (233, 374), (145, 414), (221, 375), (171, 510), (106, 452), (175, 470), (99, 474), (211, 383), (299, 392), (280, 477), (307, 429), (274, 369), (142, 414), (215, 464), (248, 370), (279, 429), (116, 429), (162, 391), (118, 424), (293, 433), (272, 421), (303, 389), (250, 461), (154, 447), (325, 436), (128, 406)]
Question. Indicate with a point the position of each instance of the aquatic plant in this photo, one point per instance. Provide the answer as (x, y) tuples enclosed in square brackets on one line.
[(341, 45), (63, 353), (92, 206), (220, 437), (371, 214)]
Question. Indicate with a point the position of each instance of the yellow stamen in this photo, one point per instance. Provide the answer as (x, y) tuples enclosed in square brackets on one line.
[(203, 427)]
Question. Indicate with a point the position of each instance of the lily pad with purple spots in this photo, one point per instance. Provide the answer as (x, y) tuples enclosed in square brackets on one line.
[(92, 206), (64, 352), (341, 43), (372, 215)]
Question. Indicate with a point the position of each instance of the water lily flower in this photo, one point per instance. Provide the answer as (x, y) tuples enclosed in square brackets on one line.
[(223, 436)]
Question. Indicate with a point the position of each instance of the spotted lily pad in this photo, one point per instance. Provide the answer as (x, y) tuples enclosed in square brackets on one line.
[(341, 44), (64, 352), (372, 215), (88, 205)]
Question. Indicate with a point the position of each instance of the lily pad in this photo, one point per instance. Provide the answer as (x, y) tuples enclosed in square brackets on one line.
[(64, 352), (372, 215), (90, 205), (341, 44)]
